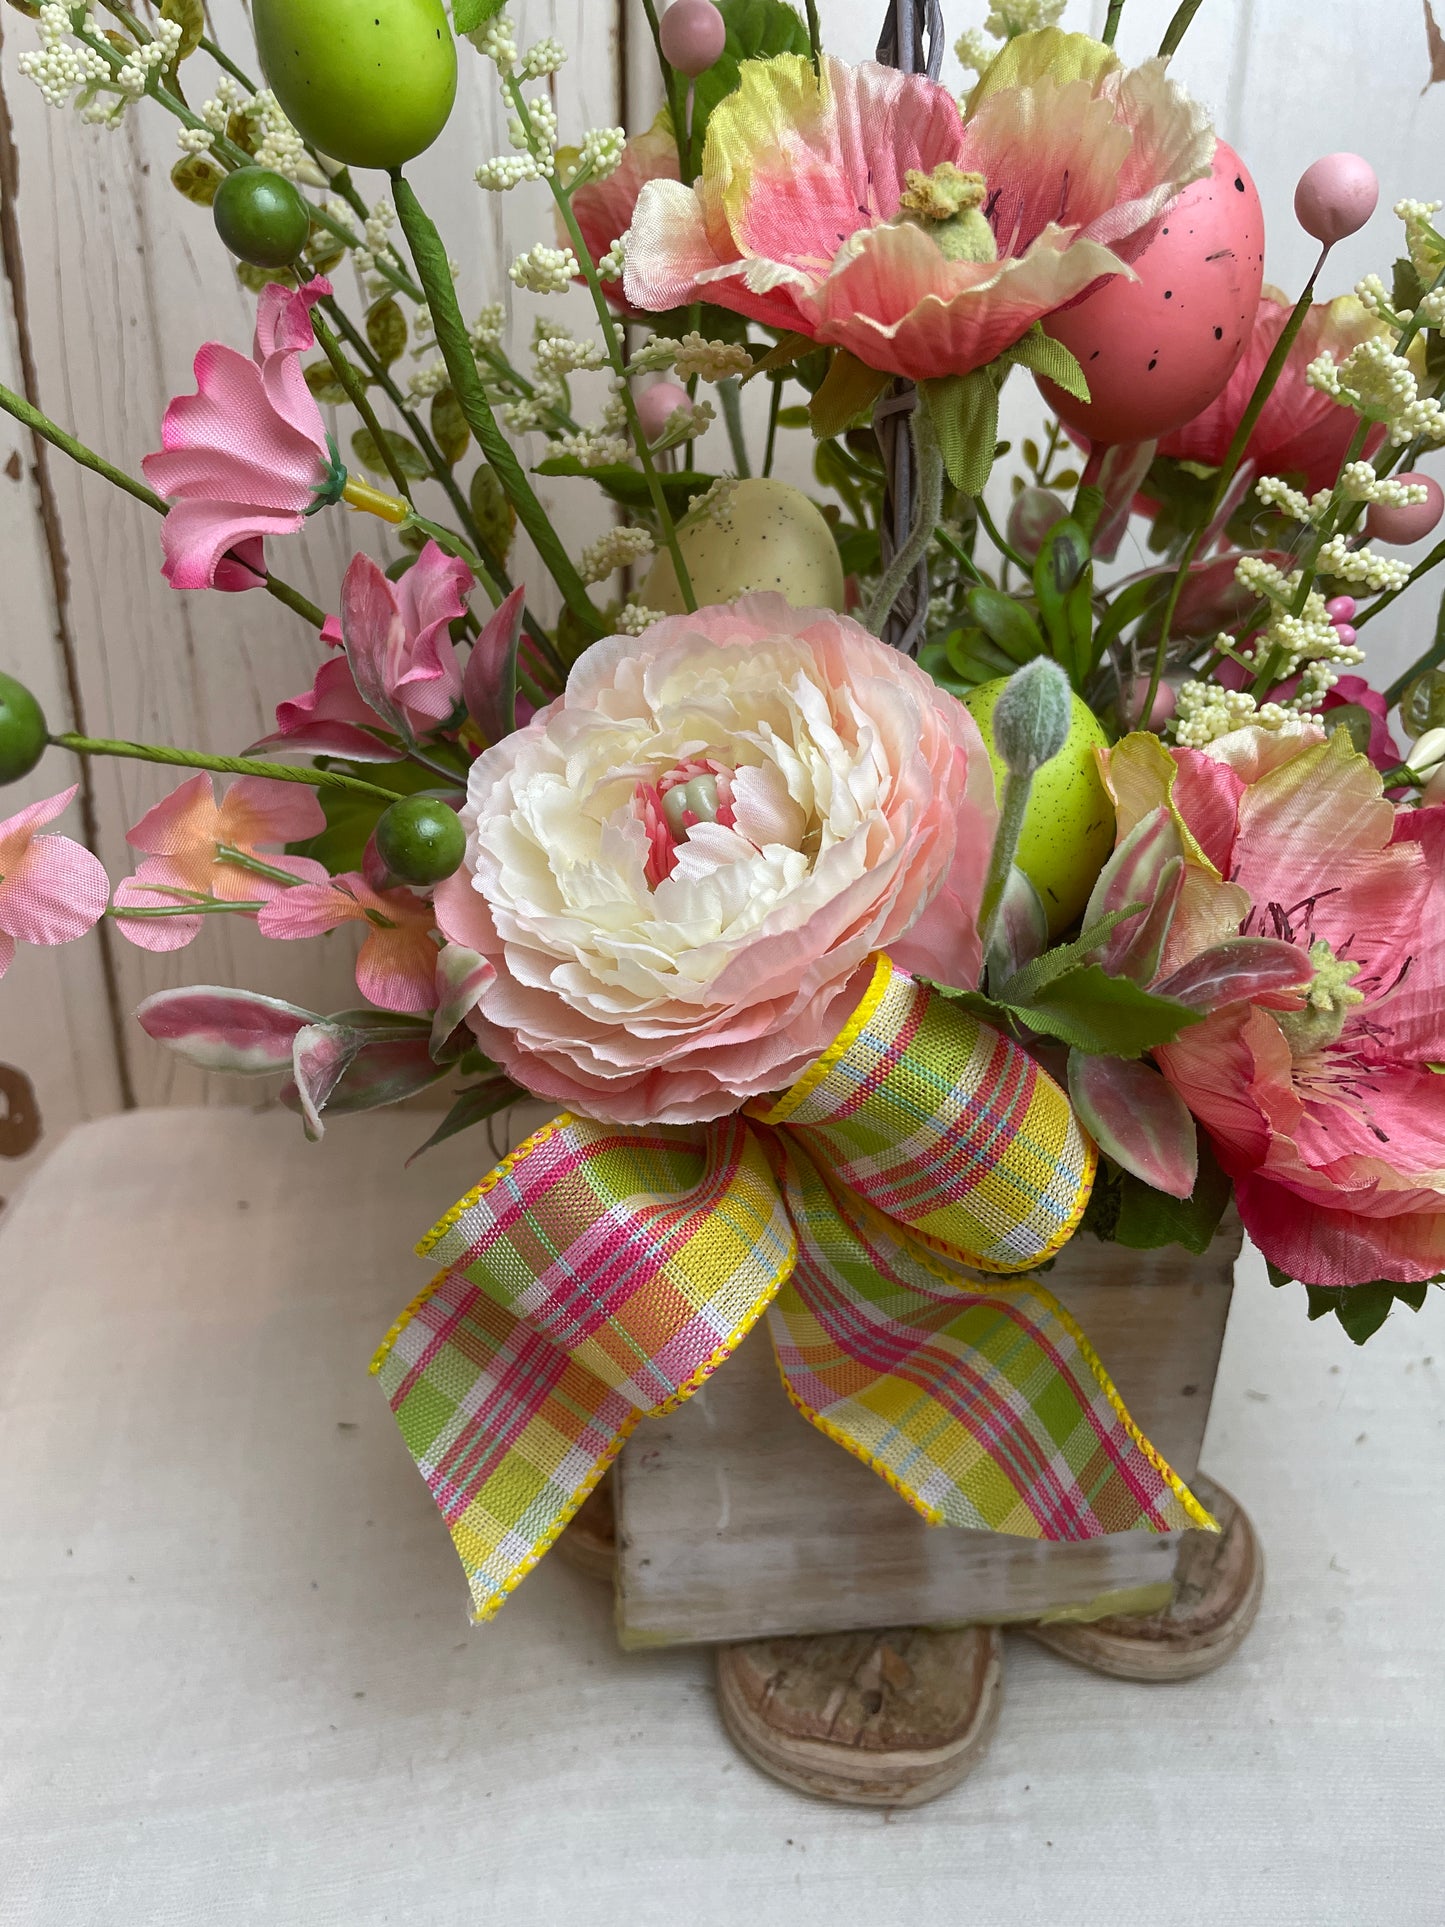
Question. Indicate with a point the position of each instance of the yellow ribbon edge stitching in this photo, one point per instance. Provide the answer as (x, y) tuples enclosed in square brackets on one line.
[(839, 1048)]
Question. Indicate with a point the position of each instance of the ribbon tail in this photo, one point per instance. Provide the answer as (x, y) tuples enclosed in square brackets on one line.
[(983, 1405), (509, 1433)]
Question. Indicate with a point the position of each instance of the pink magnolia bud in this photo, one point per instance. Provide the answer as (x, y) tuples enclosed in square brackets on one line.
[(693, 35), (1336, 196), (656, 404), (1412, 521)]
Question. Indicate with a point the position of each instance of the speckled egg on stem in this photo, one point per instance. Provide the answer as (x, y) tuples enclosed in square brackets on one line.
[(766, 535), (1157, 349), (1068, 830)]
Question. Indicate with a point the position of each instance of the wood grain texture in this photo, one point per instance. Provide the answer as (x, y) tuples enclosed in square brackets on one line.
[(739, 1520)]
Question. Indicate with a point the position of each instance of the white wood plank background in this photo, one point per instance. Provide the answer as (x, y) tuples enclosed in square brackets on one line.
[(113, 281)]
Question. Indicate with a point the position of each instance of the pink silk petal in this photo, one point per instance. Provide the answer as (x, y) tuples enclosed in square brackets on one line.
[(55, 893), (7, 952), (147, 890), (241, 568), (197, 534), (396, 969), (181, 823), (283, 318), (1324, 1245), (17, 831), (313, 909), (260, 809), (1206, 795)]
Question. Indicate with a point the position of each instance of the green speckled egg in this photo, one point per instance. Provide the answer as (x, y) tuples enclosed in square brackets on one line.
[(369, 82), (770, 537), (1069, 828)]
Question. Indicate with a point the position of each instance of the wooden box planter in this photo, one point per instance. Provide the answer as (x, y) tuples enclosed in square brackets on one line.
[(737, 1520)]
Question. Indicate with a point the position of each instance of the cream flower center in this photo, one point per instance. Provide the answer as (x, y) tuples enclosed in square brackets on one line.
[(1329, 999), (948, 204)]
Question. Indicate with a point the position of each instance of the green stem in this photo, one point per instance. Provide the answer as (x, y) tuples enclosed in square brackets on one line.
[(244, 860), (960, 555), (1234, 455), (730, 395), (1431, 561), (430, 257), (227, 66), (1004, 547), (1111, 24), (675, 87), (775, 408), (616, 354), (124, 913), (321, 779), (1013, 806), (357, 396), (929, 484), (1178, 26), (84, 457), (1431, 658), (815, 36)]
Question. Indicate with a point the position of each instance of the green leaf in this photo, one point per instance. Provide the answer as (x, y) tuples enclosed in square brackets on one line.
[(468, 15), (1042, 355), (848, 391), (629, 485), (1092, 1011), (755, 30), (1405, 288), (351, 818), (1063, 568), (321, 378), (408, 456), (197, 178), (190, 17), (1361, 1309), (794, 418), (785, 353), (492, 512), (1147, 1218), (449, 427), (1005, 622), (474, 1106), (1021, 989), (965, 419), (1129, 606), (386, 330)]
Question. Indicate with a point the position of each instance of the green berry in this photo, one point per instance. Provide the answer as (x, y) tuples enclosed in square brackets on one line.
[(262, 218), (23, 735), (421, 840)]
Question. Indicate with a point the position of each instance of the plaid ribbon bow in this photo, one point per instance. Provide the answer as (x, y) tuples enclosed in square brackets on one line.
[(603, 1272)]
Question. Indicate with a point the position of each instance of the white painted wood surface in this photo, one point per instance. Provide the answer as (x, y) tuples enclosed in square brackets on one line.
[(124, 280), (237, 1684)]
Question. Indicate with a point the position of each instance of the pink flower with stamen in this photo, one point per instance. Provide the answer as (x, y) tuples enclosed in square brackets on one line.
[(52, 890), (400, 672), (183, 837), (248, 455), (397, 965)]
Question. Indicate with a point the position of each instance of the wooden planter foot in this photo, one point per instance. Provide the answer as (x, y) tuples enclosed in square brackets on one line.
[(887, 1719), (590, 1540), (1218, 1580)]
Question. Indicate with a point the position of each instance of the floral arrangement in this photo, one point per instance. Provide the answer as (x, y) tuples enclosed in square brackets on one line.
[(886, 895)]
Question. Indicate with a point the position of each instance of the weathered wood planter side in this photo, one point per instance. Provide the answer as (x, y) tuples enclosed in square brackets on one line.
[(737, 1520)]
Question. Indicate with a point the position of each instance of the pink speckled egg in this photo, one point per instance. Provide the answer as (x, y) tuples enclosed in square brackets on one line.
[(1157, 350), (1413, 521)]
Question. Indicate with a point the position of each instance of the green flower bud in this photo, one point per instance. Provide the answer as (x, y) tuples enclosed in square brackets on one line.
[(1031, 718)]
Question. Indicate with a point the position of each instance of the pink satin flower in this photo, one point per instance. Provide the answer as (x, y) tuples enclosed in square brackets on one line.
[(831, 205), (52, 890), (681, 867), (182, 838), (247, 456), (1330, 1121), (400, 672), (397, 965), (1301, 433)]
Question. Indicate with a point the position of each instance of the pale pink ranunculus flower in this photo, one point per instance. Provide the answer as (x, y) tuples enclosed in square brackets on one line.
[(247, 456), (860, 208), (52, 889), (182, 839), (1329, 1120), (681, 867), (400, 672)]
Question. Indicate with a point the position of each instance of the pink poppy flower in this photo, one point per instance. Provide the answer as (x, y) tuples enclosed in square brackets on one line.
[(52, 890), (248, 455), (604, 209), (184, 838), (400, 672), (397, 965), (1300, 432), (680, 868), (859, 208), (1328, 1118)]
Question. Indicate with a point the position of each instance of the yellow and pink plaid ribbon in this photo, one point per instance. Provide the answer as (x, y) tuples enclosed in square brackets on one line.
[(603, 1272)]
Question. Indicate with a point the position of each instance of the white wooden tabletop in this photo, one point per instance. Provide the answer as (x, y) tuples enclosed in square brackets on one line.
[(237, 1683)]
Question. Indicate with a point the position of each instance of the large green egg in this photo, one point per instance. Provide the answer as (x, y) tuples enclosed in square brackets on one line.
[(369, 82), (768, 536), (1069, 827)]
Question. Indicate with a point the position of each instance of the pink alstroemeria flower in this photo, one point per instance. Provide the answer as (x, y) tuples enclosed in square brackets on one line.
[(859, 207), (1301, 432), (52, 890), (400, 672), (1329, 1119), (397, 965), (247, 456), (182, 838)]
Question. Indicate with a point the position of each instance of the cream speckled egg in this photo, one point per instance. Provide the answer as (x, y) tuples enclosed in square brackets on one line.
[(769, 537), (1069, 825), (1157, 350)]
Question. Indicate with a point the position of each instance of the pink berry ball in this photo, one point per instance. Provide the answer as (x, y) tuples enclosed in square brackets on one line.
[(1340, 608), (657, 403), (1411, 523), (1161, 710), (694, 34), (1336, 196), (1345, 635)]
